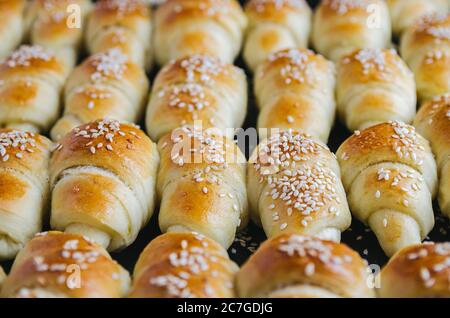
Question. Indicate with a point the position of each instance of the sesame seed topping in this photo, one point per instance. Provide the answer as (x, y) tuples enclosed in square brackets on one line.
[(26, 54), (16, 141)]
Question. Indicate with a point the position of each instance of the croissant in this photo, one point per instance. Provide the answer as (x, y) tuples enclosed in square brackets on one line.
[(296, 266), (417, 271), (294, 186), (60, 265), (24, 188), (405, 13), (201, 183), (275, 25), (426, 48), (342, 26), (432, 121), (294, 88), (12, 25), (197, 88), (374, 86), (390, 177), (58, 25), (211, 27), (125, 24), (31, 81), (106, 85), (184, 265), (103, 179)]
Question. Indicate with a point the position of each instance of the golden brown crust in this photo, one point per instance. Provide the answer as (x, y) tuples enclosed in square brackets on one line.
[(289, 260), (405, 13), (294, 186), (123, 149), (11, 25), (111, 68), (426, 48), (197, 88), (49, 263), (212, 27), (273, 10), (202, 183), (386, 142), (432, 121), (373, 86), (336, 20), (299, 78), (418, 271), (199, 68), (24, 152), (121, 23), (32, 61), (183, 265)]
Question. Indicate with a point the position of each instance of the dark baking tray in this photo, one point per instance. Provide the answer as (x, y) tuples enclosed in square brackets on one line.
[(358, 236)]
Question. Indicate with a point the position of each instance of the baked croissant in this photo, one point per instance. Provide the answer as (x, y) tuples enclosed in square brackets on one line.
[(294, 186), (58, 25), (211, 27), (295, 266), (60, 265), (405, 13), (433, 122), (201, 183), (183, 265), (419, 271), (426, 48), (197, 88), (390, 177), (275, 25), (24, 188), (31, 81), (12, 25), (125, 24), (103, 179), (294, 88), (374, 86), (342, 26), (106, 85)]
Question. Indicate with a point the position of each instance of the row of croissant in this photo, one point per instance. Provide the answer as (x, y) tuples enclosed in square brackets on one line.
[(102, 175), (294, 87)]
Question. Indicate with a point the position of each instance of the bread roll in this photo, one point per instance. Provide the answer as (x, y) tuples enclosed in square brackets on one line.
[(390, 177), (24, 188), (103, 179), (426, 48), (105, 85), (211, 27), (31, 80), (12, 25), (125, 24), (58, 25), (294, 186), (374, 86), (59, 265), (433, 122), (184, 265), (295, 266), (419, 271), (194, 89), (342, 26), (201, 183), (294, 88), (405, 13), (275, 25)]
